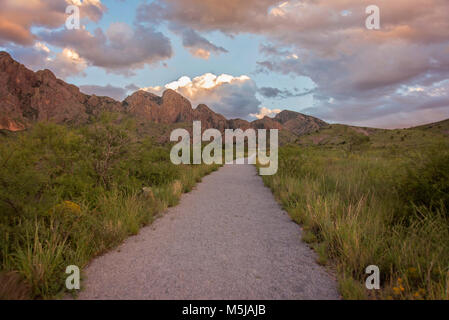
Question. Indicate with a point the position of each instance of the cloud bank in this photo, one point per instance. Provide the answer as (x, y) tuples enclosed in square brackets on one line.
[(63, 64), (358, 73), (228, 95), (265, 112), (121, 49), (105, 49), (17, 17)]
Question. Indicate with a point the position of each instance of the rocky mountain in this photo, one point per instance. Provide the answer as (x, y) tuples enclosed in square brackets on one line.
[(210, 119), (299, 123), (239, 124), (27, 97), (267, 123), (170, 108)]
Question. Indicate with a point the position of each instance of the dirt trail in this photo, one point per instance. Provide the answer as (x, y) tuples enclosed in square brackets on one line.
[(227, 239)]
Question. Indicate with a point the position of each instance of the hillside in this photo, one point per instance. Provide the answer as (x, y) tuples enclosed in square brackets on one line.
[(299, 123), (441, 127), (27, 97), (337, 135)]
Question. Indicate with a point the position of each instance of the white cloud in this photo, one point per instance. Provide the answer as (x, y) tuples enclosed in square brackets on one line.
[(200, 53), (363, 71), (41, 46), (63, 64), (106, 49), (225, 94), (194, 89), (284, 8), (415, 89), (67, 63), (265, 112)]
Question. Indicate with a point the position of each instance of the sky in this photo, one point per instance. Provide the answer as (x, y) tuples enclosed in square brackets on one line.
[(248, 59)]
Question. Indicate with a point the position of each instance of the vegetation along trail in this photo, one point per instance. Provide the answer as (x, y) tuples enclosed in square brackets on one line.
[(227, 239)]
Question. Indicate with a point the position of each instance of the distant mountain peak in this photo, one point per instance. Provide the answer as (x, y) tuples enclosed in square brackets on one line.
[(299, 123), (27, 97)]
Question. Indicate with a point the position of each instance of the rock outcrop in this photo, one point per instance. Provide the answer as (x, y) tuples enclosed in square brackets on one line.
[(210, 119), (171, 108), (27, 97)]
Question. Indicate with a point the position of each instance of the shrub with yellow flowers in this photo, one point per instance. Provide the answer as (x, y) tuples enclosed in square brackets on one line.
[(66, 207)]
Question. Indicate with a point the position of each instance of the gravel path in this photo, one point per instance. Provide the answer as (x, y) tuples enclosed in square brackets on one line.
[(227, 239)]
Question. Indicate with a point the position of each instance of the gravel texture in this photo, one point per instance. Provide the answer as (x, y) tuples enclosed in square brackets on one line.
[(227, 239)]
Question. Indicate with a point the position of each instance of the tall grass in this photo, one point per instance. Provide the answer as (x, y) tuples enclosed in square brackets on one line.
[(68, 195), (355, 214)]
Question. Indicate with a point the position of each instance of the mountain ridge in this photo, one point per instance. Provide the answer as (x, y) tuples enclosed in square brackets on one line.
[(27, 97)]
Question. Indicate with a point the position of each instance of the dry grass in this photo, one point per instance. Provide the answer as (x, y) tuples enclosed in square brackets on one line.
[(353, 216)]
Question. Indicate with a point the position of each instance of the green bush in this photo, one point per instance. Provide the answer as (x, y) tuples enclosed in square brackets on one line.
[(68, 194), (426, 183)]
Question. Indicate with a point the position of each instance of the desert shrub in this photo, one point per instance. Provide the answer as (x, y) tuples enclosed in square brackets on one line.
[(153, 165), (39, 167), (68, 194), (109, 141), (426, 183)]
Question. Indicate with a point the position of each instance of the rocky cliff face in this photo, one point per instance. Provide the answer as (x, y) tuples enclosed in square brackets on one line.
[(171, 108), (27, 97), (210, 119)]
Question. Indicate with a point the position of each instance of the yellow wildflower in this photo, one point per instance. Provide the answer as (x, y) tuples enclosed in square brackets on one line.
[(412, 270), (67, 207)]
